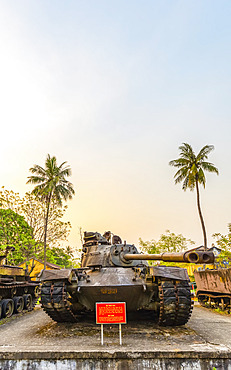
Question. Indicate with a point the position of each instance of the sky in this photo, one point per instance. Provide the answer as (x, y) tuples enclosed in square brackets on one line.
[(114, 88)]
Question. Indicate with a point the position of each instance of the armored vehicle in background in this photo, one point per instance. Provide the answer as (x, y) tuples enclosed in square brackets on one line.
[(214, 288), (17, 291), (112, 271)]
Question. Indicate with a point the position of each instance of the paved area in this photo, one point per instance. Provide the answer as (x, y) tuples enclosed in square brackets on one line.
[(213, 327), (33, 341), (35, 331)]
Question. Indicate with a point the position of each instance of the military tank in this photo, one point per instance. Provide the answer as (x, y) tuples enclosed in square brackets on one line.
[(17, 291), (112, 271), (214, 288)]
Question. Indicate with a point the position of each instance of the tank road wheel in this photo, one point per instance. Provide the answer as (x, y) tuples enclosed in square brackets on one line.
[(27, 302), (7, 307), (202, 299), (37, 291), (18, 304), (216, 303)]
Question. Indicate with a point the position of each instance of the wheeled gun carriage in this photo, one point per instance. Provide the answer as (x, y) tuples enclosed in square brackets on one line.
[(116, 272), (17, 291)]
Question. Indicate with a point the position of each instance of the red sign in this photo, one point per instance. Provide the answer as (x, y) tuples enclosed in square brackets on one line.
[(111, 313)]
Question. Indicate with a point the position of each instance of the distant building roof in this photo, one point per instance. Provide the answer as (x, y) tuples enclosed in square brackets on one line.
[(201, 248), (51, 265)]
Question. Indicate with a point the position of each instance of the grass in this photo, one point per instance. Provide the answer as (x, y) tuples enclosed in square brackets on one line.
[(217, 310)]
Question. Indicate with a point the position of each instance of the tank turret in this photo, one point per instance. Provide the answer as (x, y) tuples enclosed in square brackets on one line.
[(98, 251), (112, 271)]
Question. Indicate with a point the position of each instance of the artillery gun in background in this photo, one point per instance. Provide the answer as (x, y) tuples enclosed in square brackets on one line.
[(112, 271), (17, 291)]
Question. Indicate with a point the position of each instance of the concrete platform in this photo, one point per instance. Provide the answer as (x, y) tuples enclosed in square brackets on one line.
[(34, 341)]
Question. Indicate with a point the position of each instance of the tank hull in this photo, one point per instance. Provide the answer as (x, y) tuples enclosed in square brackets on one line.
[(114, 285), (17, 291), (214, 288), (143, 289)]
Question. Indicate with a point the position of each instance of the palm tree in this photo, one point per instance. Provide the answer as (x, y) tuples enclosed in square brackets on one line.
[(51, 185), (191, 173)]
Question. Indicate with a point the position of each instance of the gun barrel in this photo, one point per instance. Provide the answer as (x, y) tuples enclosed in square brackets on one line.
[(187, 257)]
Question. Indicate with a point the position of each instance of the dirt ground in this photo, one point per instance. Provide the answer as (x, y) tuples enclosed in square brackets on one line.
[(206, 330)]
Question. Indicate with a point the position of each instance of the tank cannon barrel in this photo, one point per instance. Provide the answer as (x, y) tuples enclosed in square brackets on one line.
[(186, 257)]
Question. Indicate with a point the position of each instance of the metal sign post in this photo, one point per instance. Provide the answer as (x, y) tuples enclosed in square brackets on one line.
[(102, 334), (120, 334), (111, 313)]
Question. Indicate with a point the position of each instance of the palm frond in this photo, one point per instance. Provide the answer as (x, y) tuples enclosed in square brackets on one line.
[(35, 180), (65, 171), (185, 183), (191, 167), (204, 152), (209, 167), (181, 174), (51, 181), (38, 170), (186, 148), (186, 151), (62, 164), (179, 162), (50, 165), (201, 177)]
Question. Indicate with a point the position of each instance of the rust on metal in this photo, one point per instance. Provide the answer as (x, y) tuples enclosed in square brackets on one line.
[(186, 257), (214, 288), (218, 281)]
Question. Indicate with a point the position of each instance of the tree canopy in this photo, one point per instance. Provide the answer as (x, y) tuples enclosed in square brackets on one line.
[(51, 186), (15, 232), (26, 233), (168, 242), (33, 212), (191, 173), (62, 257), (224, 243), (192, 166)]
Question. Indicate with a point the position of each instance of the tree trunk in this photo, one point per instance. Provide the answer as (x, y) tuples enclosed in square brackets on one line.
[(45, 231), (201, 217)]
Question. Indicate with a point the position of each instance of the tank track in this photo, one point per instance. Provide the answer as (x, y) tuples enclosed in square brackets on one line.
[(34, 301), (215, 300), (55, 302), (175, 302)]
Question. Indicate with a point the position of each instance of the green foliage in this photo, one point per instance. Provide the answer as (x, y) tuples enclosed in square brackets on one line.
[(15, 232), (191, 173), (34, 212), (192, 166), (224, 243), (51, 187), (26, 233), (168, 242), (62, 257), (51, 181)]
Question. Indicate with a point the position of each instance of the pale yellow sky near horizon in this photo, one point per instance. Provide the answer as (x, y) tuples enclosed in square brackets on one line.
[(114, 91)]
